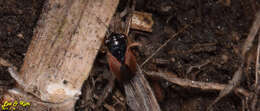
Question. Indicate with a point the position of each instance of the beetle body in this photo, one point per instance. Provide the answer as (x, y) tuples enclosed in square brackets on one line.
[(121, 60)]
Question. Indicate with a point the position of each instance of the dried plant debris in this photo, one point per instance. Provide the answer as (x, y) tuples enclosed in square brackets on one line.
[(238, 74), (142, 21), (214, 62)]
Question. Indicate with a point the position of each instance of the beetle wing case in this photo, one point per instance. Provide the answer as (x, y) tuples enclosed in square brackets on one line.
[(130, 59), (114, 65), (123, 72)]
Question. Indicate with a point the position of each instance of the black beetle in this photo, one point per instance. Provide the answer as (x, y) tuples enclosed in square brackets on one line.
[(121, 60)]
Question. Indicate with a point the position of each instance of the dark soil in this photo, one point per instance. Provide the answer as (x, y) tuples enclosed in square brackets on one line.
[(215, 36)]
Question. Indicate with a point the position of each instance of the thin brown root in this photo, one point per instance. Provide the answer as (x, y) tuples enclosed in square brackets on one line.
[(199, 66), (163, 45)]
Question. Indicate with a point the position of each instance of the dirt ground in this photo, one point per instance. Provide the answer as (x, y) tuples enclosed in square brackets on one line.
[(217, 31)]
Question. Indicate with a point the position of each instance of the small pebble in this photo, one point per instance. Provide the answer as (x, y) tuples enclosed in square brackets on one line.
[(173, 59), (20, 35)]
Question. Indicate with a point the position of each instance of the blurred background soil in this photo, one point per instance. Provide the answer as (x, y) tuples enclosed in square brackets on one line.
[(218, 29)]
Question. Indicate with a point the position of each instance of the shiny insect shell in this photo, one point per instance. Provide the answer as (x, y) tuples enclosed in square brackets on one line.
[(122, 62), (117, 45)]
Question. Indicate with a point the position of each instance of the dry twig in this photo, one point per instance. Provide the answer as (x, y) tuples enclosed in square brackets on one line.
[(195, 84), (257, 80), (257, 67)]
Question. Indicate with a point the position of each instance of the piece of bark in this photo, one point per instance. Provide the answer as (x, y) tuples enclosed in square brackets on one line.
[(142, 21), (63, 48)]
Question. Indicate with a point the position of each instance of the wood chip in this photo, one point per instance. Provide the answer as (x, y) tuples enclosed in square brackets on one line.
[(142, 21), (4, 62)]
